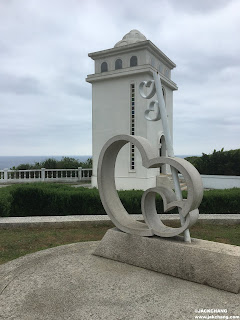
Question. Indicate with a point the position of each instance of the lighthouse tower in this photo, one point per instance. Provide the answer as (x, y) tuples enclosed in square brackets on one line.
[(118, 108)]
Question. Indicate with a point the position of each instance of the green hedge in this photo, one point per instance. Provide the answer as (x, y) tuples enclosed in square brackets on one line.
[(51, 200), (5, 202), (221, 201), (43, 199)]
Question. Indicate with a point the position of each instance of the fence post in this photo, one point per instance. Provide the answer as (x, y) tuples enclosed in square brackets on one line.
[(5, 174), (79, 173), (43, 174)]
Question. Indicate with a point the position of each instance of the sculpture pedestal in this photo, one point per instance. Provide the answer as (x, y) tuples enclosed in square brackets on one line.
[(210, 263)]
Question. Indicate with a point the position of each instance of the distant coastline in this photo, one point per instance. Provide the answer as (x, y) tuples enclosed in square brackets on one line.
[(11, 161)]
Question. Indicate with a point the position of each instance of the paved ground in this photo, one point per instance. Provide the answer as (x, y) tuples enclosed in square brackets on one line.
[(74, 185), (15, 222), (69, 283)]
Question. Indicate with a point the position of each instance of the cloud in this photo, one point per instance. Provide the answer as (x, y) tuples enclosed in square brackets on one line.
[(74, 88), (203, 6), (19, 85), (45, 103)]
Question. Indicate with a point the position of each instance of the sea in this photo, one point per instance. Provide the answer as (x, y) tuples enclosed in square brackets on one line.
[(14, 161)]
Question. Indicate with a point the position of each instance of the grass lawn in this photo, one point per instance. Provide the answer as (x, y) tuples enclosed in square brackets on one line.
[(18, 242)]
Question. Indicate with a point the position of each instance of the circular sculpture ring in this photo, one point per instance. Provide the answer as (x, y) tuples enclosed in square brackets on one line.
[(150, 159), (151, 217)]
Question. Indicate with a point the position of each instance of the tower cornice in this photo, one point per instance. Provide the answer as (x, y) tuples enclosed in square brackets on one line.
[(147, 44), (130, 71)]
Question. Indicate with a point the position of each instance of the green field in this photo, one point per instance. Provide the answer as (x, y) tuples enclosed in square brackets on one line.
[(18, 242)]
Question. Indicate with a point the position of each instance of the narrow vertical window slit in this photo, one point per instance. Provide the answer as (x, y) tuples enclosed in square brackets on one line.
[(132, 126)]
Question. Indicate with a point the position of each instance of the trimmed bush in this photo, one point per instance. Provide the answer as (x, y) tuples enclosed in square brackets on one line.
[(44, 199), (5, 202), (51, 199), (221, 201), (131, 200)]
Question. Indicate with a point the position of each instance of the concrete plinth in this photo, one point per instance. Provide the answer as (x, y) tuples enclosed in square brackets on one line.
[(210, 263)]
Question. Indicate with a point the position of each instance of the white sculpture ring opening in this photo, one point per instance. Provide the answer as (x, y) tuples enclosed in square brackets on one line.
[(153, 225)]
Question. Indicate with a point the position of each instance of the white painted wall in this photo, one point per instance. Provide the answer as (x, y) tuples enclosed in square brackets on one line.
[(111, 116)]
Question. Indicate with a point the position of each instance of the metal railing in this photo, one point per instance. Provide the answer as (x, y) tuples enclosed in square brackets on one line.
[(34, 175)]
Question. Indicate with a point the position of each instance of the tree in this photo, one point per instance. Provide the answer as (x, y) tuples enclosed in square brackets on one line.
[(50, 163), (218, 163)]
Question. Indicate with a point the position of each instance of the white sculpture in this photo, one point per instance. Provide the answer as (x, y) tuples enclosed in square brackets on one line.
[(188, 208)]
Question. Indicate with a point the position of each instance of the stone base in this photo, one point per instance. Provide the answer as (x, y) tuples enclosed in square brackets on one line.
[(210, 263)]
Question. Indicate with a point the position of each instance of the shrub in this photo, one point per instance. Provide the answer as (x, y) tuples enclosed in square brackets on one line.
[(131, 200), (43, 199), (5, 202), (221, 201)]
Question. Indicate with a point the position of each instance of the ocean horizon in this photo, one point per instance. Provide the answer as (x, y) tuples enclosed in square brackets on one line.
[(14, 161)]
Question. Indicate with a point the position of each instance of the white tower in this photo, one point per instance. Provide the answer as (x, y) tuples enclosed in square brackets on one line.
[(117, 107)]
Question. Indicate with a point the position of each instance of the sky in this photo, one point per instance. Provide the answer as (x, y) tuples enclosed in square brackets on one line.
[(45, 102)]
